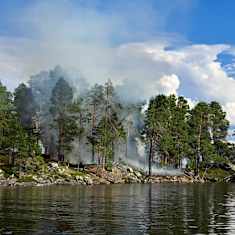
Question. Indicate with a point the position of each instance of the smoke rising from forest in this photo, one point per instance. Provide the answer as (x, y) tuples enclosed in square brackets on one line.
[(94, 44), (42, 85), (132, 151)]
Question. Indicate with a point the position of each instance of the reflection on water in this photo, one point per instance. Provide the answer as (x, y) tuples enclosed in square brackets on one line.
[(119, 209)]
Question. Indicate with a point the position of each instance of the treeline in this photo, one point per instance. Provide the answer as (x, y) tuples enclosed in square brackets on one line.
[(62, 121), (173, 131)]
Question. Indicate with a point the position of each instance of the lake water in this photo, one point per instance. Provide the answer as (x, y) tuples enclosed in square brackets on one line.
[(119, 209)]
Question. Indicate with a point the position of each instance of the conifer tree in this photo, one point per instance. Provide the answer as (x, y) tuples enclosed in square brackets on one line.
[(26, 109), (95, 106), (65, 120)]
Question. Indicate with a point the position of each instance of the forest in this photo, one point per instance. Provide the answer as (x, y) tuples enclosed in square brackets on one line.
[(48, 116)]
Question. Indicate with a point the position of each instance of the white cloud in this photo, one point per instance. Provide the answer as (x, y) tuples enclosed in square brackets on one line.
[(168, 84), (202, 77), (229, 107)]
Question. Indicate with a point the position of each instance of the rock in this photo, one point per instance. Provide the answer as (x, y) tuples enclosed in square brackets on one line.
[(138, 174), (232, 166), (41, 180), (59, 181), (102, 181), (131, 178), (129, 169), (117, 175), (88, 180), (61, 170), (54, 165), (53, 173), (11, 182), (97, 180), (79, 178), (35, 178)]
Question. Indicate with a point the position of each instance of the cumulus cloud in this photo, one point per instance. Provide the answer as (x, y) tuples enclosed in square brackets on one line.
[(229, 107), (120, 43), (168, 84), (200, 76)]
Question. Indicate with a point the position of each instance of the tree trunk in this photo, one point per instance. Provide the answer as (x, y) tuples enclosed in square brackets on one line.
[(80, 138), (93, 129), (113, 152), (198, 149), (126, 148), (11, 158), (150, 157), (103, 162), (93, 153), (61, 143)]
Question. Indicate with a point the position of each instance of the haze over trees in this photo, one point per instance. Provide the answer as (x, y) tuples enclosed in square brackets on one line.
[(95, 126)]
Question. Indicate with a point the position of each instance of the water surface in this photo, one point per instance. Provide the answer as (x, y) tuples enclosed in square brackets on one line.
[(119, 209)]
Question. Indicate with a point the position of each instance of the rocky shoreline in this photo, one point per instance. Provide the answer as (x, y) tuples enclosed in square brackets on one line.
[(56, 174)]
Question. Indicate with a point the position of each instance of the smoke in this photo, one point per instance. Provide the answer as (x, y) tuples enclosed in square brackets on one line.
[(164, 171), (132, 151)]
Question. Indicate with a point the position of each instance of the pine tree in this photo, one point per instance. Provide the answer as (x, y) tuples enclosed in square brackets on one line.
[(13, 137), (109, 131), (26, 109), (199, 125), (25, 106), (219, 123), (95, 104), (179, 130), (110, 128), (6, 108), (155, 119), (65, 120)]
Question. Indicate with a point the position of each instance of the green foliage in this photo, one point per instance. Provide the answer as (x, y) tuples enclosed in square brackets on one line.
[(219, 124), (64, 112), (15, 139), (26, 110), (108, 132), (176, 132), (208, 129), (215, 174), (95, 107), (6, 116), (25, 106), (106, 129), (166, 125)]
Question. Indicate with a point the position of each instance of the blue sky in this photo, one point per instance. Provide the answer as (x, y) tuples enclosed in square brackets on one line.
[(209, 21), (184, 47), (199, 21)]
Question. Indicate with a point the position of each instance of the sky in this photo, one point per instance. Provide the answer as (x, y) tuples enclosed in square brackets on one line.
[(184, 47)]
